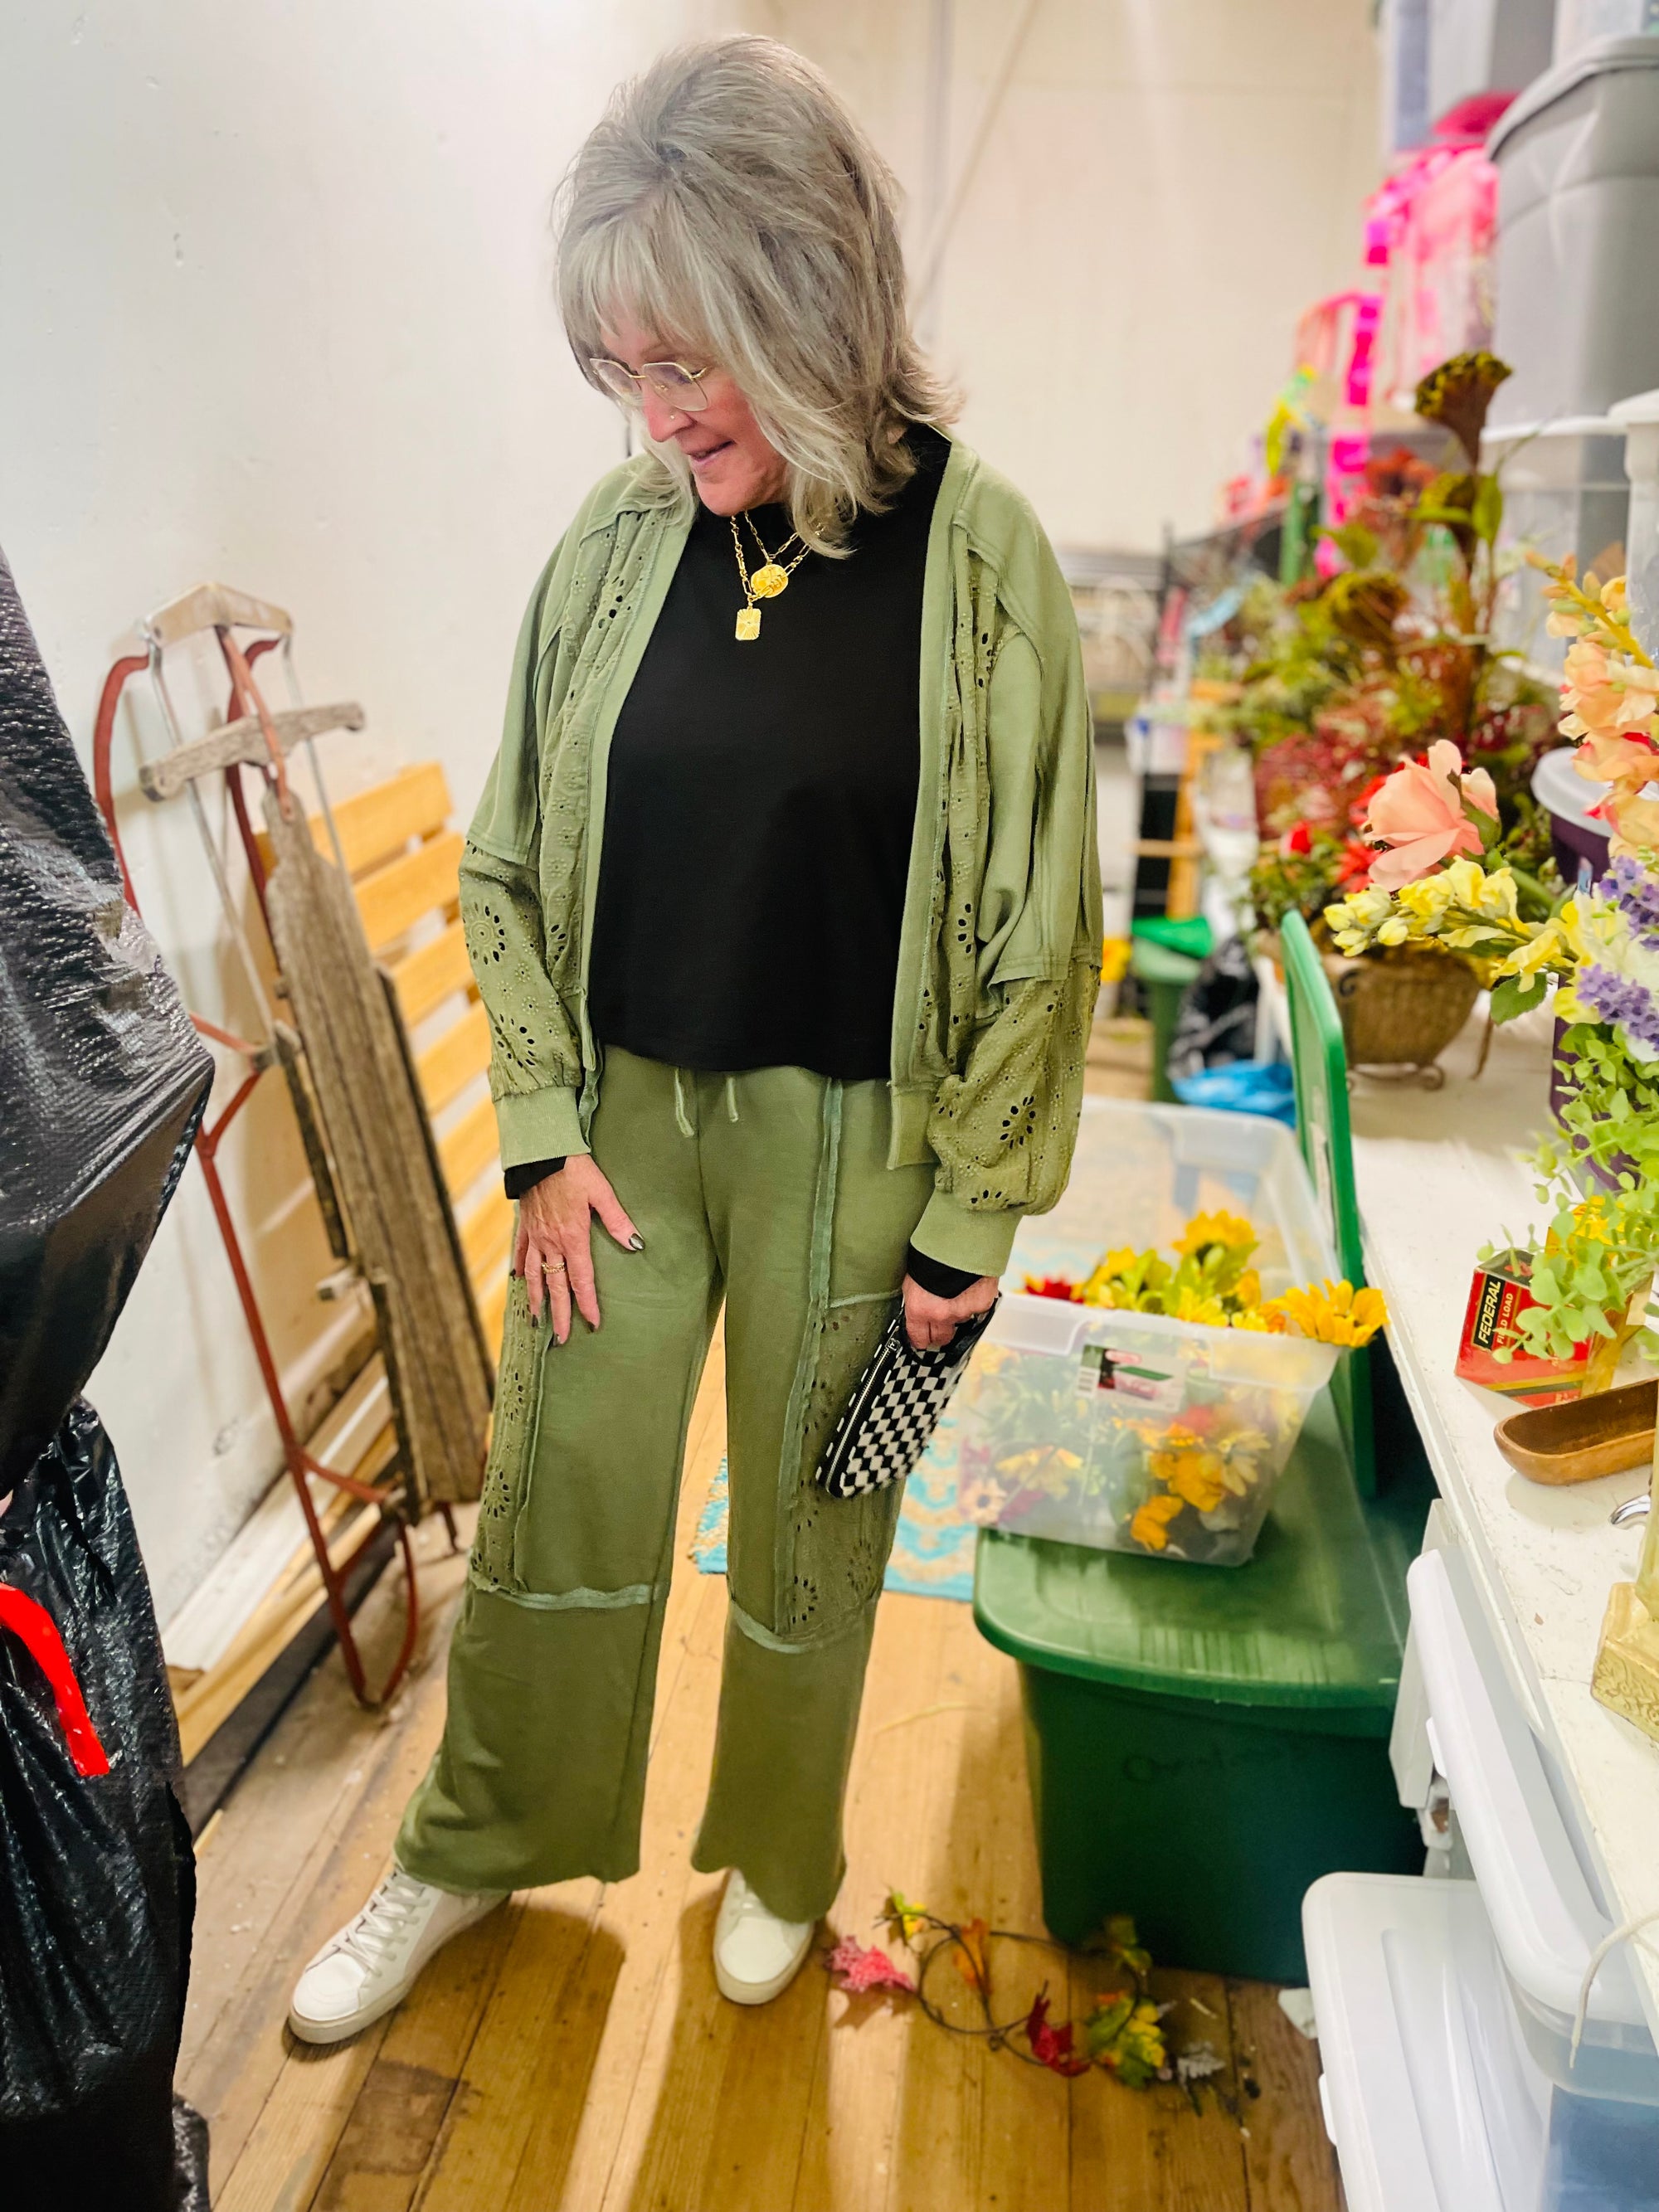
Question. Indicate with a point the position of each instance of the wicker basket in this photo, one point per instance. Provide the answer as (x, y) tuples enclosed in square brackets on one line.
[(1400, 1008)]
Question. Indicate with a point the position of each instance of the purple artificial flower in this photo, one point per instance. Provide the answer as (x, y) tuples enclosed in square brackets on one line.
[(1634, 892), (1621, 999)]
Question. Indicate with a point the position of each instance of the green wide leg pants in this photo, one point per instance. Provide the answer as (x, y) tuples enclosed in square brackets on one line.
[(769, 1190)]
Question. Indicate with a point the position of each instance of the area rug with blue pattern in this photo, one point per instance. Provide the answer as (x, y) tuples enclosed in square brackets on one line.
[(933, 1552)]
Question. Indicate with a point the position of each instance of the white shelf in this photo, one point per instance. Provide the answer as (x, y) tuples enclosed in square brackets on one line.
[(1439, 1174)]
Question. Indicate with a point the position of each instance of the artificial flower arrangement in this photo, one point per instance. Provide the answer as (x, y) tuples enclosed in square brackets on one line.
[(1391, 654), (1211, 1280), (1443, 883), (1154, 1440), (1124, 2032)]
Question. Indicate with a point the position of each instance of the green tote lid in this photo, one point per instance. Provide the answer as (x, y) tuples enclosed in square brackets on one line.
[(1191, 937)]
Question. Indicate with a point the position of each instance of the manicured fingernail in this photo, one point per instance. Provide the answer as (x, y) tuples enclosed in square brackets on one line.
[(637, 1242)]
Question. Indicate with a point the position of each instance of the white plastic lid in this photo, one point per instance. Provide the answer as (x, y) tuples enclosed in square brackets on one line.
[(1430, 2099), (1543, 1916), (1557, 784), (1601, 59)]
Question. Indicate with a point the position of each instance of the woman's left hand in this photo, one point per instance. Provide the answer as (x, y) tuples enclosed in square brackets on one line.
[(931, 1322)]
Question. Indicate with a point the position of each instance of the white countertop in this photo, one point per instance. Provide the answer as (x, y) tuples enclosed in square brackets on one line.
[(1439, 1175)]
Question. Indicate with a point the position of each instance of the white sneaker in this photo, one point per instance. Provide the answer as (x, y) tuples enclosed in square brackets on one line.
[(756, 1955), (372, 1964)]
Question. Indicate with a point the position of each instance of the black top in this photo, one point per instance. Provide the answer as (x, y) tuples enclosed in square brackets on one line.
[(761, 800)]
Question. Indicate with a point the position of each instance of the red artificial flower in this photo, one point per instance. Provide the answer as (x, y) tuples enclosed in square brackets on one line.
[(1053, 2045), (1049, 1286), (857, 1969), (1354, 867), (1298, 839)]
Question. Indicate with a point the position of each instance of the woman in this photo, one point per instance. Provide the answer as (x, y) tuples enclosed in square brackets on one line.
[(781, 900)]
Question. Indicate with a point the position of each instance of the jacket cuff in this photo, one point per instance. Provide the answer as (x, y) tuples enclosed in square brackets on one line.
[(538, 1125), (959, 1237)]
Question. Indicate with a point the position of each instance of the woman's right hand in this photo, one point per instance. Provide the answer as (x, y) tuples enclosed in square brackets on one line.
[(553, 1250)]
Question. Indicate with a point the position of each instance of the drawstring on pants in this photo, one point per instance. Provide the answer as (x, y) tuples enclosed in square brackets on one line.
[(682, 1116)]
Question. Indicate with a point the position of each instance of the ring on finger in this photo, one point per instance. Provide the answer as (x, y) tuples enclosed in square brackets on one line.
[(554, 1267)]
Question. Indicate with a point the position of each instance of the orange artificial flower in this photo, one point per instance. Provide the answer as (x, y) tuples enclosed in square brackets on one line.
[(1150, 1524)]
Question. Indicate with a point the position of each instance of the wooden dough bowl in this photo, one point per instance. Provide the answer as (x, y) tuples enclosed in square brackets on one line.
[(1583, 1437)]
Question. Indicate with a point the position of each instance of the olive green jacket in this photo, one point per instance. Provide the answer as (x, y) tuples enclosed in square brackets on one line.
[(1000, 947)]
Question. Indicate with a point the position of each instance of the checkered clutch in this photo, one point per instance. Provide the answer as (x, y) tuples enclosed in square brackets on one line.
[(896, 1406)]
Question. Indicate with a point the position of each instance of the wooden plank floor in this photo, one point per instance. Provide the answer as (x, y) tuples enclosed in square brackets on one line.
[(572, 2051)]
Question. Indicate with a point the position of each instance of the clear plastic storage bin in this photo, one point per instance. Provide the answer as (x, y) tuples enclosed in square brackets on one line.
[(1130, 1432)]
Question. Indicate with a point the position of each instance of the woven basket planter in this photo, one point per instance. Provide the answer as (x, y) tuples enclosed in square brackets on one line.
[(1400, 1008)]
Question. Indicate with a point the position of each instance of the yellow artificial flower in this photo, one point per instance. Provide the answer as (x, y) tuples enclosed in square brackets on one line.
[(1114, 959), (1195, 1305), (1229, 1229), (1331, 1313), (1498, 899), (1246, 1440), (1048, 1468), (1465, 880), (1197, 1477), (1426, 900), (1547, 947), (1150, 1526)]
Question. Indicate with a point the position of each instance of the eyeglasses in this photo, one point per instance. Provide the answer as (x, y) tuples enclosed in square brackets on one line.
[(681, 387)]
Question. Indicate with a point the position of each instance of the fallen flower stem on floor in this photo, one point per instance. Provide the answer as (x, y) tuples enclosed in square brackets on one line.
[(927, 1713)]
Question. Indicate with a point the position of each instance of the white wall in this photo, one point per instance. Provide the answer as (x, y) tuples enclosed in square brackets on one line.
[(1169, 183), (276, 312)]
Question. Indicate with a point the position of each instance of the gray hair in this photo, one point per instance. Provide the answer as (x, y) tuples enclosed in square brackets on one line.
[(729, 201)]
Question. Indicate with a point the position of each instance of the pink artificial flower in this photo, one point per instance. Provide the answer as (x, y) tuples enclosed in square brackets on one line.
[(1625, 758), (1423, 813), (1592, 700), (856, 1969)]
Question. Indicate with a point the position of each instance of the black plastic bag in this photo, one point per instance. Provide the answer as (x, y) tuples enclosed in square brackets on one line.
[(96, 1869), (1216, 1024), (102, 1083), (102, 1079)]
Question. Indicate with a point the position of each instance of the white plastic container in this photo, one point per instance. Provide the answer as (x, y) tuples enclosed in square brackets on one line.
[(1072, 1419), (1577, 159), (1485, 45), (1581, 23), (1431, 2095), (1638, 417), (1565, 491), (1535, 1876)]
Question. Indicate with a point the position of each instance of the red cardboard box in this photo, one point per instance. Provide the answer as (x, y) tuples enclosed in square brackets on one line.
[(1497, 1297)]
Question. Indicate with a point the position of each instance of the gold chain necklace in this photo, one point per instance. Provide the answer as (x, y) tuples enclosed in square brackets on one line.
[(764, 582)]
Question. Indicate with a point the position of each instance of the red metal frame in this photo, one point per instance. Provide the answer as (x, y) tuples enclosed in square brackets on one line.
[(300, 1464)]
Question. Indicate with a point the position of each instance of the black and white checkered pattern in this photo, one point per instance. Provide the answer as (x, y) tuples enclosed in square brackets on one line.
[(896, 1406)]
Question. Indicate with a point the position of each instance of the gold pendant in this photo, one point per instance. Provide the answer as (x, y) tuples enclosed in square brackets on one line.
[(766, 583), (748, 623)]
